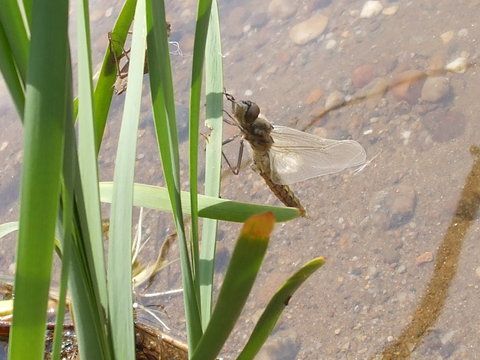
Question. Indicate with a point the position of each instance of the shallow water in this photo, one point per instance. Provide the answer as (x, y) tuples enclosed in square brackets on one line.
[(401, 230)]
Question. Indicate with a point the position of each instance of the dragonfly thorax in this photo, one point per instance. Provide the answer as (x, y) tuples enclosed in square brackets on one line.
[(256, 129)]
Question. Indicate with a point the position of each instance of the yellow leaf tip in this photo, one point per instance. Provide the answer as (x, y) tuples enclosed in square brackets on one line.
[(259, 226)]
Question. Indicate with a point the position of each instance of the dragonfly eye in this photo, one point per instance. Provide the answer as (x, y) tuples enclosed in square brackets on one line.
[(252, 112)]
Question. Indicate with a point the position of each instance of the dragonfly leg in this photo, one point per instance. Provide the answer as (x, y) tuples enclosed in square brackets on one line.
[(236, 169), (231, 120)]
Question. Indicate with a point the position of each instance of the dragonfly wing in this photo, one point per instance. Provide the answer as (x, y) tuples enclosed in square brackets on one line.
[(296, 155)]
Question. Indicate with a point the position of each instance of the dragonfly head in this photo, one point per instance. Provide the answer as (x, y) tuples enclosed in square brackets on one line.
[(251, 111)]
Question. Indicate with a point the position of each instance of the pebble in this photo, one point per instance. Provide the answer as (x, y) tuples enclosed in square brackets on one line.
[(477, 271), (401, 269), (402, 206), (309, 29), (463, 32), (459, 65), (407, 85), (391, 10), (370, 9), (330, 44), (282, 345), (447, 36), (435, 89), (312, 97), (282, 9), (109, 12), (248, 92), (4, 145), (362, 75), (374, 91), (444, 126), (424, 258), (335, 99)]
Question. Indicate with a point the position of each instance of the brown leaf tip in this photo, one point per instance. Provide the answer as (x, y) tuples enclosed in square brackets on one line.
[(259, 226)]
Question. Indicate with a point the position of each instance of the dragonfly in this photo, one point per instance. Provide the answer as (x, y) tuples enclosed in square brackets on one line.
[(284, 156)]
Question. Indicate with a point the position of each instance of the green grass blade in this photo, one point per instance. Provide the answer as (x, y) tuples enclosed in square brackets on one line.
[(17, 34), (108, 73), (242, 271), (275, 307), (10, 74), (86, 148), (213, 157), (89, 314), (120, 244), (201, 29), (161, 86), (45, 116), (154, 197), (67, 222)]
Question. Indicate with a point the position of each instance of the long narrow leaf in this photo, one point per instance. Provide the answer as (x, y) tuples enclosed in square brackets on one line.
[(201, 29), (161, 86), (241, 274), (10, 73), (67, 220), (45, 116), (120, 244), (213, 157), (108, 73), (154, 197), (16, 31), (275, 307), (86, 148)]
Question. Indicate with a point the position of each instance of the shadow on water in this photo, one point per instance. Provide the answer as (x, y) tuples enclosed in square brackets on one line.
[(448, 255)]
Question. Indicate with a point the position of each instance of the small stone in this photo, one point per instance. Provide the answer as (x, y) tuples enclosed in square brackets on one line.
[(402, 206), (312, 98), (337, 331), (140, 156), (435, 89), (401, 269), (248, 92), (330, 44), (282, 345), (447, 36), (362, 75), (309, 29), (109, 12), (335, 99), (462, 32), (282, 9), (374, 91), (444, 126), (477, 271), (459, 65), (370, 9), (407, 85), (4, 145), (391, 10), (426, 257)]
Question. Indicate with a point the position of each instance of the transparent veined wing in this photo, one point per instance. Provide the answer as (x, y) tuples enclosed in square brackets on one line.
[(296, 155)]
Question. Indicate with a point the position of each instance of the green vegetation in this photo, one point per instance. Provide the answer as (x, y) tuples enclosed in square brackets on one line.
[(60, 188)]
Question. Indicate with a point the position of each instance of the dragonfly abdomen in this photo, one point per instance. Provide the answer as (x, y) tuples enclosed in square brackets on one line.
[(284, 194)]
